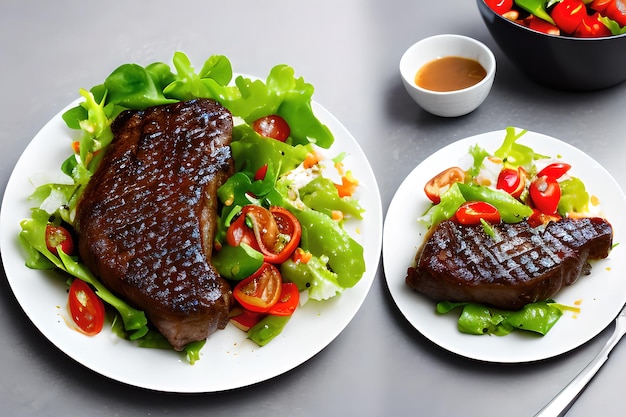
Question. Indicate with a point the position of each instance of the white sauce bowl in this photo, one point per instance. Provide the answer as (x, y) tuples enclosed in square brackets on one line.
[(449, 103)]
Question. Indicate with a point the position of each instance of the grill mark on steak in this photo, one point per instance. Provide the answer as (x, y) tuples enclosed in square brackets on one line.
[(147, 219), (520, 265)]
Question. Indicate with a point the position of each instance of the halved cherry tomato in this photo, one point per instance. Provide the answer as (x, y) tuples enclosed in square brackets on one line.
[(261, 290), (272, 126), (592, 27), (541, 25), (59, 237), (245, 319), (261, 173), (616, 10), (512, 181), (288, 301), (238, 232), (538, 218), (472, 211), (555, 170), (85, 307), (600, 5), (567, 14), (275, 232), (441, 182), (545, 194), (288, 240), (500, 6)]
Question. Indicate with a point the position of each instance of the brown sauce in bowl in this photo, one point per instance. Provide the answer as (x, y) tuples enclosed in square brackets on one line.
[(450, 73)]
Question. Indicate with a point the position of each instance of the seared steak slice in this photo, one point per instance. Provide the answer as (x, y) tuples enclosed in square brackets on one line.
[(147, 219), (520, 265)]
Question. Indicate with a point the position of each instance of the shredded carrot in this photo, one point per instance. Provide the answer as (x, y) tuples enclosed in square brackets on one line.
[(301, 256), (575, 215), (595, 200), (348, 185), (337, 215), (574, 310), (339, 167), (76, 146), (483, 181), (311, 159)]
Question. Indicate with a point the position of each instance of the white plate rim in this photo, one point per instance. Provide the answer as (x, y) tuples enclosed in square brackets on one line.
[(602, 293), (228, 360)]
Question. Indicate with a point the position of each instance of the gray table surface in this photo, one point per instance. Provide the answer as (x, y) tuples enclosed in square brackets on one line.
[(349, 50)]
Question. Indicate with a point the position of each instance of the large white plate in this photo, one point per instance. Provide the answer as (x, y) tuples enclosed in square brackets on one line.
[(228, 359), (602, 294)]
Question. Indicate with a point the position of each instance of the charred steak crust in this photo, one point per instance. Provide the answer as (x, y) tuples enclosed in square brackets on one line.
[(147, 219), (520, 265)]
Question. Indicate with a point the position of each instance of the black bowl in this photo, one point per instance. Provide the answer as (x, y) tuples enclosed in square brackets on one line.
[(566, 63)]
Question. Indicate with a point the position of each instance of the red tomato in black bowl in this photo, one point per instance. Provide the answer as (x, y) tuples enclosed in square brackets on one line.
[(561, 62)]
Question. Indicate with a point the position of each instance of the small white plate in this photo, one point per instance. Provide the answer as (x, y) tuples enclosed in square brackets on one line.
[(228, 360), (601, 294)]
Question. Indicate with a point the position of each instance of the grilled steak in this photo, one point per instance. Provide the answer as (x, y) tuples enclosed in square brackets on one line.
[(147, 219), (520, 265)]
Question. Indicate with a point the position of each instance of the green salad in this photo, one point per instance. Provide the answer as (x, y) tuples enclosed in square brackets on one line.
[(274, 169), (512, 184)]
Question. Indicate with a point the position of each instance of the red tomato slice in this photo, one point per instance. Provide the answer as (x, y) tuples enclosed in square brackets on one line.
[(592, 27), (262, 225), (500, 6), (567, 14), (472, 211), (600, 5), (512, 181), (290, 234), (245, 319), (85, 307), (261, 173), (542, 26), (616, 10), (555, 170), (288, 301), (275, 232), (261, 290), (272, 126), (438, 184), (59, 236), (545, 194), (238, 232), (538, 218)]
